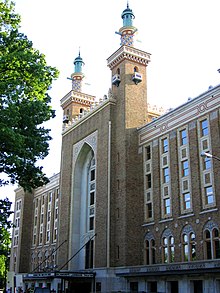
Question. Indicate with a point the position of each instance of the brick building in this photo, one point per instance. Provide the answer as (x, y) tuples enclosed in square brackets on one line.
[(135, 207)]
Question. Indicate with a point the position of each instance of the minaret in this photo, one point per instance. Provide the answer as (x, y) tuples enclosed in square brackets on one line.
[(128, 30), (76, 103), (77, 76), (128, 66), (129, 88)]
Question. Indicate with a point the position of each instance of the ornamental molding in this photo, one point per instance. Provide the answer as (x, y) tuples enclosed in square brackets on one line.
[(180, 116), (77, 97), (91, 140), (129, 53)]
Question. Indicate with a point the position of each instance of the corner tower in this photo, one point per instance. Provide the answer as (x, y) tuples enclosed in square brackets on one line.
[(129, 87), (128, 66)]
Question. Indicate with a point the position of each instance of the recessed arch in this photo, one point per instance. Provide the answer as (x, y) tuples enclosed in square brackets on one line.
[(81, 229)]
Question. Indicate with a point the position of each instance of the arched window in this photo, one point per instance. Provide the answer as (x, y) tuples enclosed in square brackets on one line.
[(167, 246), (135, 69), (118, 71), (188, 244), (150, 249), (211, 241), (84, 207)]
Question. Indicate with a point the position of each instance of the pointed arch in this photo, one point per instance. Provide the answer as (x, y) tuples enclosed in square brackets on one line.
[(211, 238), (82, 218), (188, 240), (167, 241)]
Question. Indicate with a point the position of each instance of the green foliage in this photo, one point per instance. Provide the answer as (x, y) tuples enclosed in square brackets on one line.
[(25, 79), (5, 241)]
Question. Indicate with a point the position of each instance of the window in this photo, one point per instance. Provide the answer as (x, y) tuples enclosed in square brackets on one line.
[(55, 234), (206, 163), (91, 223), (164, 145), (186, 201), (148, 153), (150, 256), (183, 137), (148, 181), (91, 196), (204, 128), (166, 176), (168, 249), (167, 206), (149, 212), (209, 195), (48, 236), (92, 175), (188, 245), (185, 168), (50, 196), (212, 243)]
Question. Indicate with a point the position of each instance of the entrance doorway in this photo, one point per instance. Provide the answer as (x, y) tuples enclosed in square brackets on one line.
[(197, 286), (79, 287)]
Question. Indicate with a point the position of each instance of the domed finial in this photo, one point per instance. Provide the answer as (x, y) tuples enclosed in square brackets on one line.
[(128, 30), (77, 76), (78, 62)]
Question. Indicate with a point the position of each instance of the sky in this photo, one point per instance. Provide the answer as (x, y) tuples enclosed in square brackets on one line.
[(182, 36)]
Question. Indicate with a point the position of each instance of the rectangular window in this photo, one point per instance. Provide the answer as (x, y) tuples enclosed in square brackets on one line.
[(149, 210), (55, 234), (186, 201), (56, 213), (92, 198), (206, 163), (50, 196), (48, 236), (41, 238), (91, 223), (209, 195), (167, 206), (148, 181), (204, 128), (92, 175), (148, 153), (185, 168), (164, 145), (166, 176), (183, 137)]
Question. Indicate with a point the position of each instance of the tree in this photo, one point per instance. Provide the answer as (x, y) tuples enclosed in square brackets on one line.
[(25, 79), (5, 225)]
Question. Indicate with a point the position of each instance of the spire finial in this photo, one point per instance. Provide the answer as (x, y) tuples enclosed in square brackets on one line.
[(127, 4), (79, 51)]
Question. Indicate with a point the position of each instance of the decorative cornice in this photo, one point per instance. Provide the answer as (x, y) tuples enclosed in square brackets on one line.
[(185, 113), (88, 114), (129, 53), (77, 97)]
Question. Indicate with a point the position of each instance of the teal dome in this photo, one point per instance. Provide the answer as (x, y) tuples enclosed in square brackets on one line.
[(127, 16), (78, 62)]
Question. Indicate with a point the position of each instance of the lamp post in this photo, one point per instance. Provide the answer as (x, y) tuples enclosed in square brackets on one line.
[(208, 155)]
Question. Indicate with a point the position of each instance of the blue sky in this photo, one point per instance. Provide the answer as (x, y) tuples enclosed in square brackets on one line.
[(182, 36)]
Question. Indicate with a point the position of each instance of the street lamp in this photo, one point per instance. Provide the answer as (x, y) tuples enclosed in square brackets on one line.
[(208, 155)]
